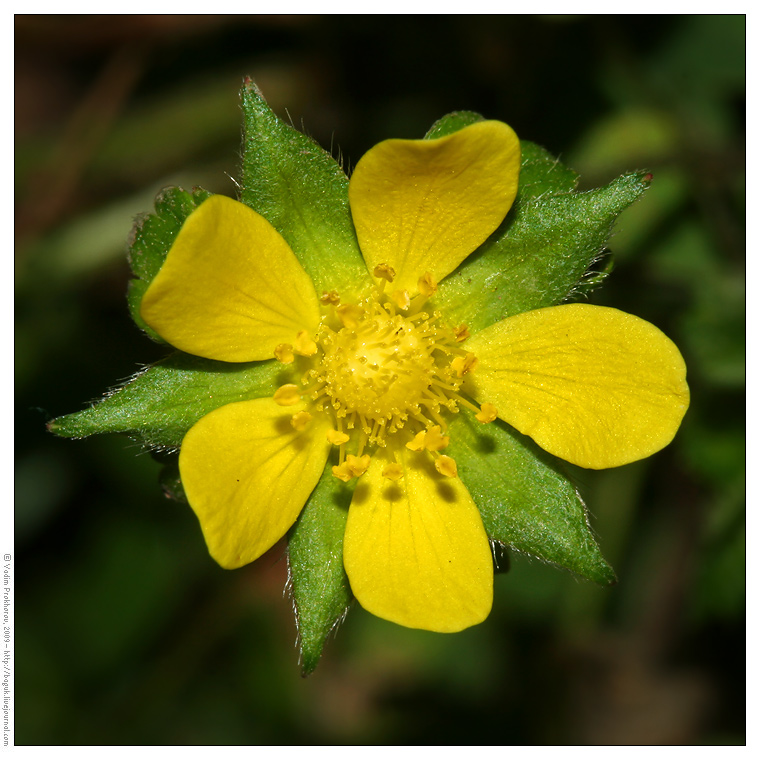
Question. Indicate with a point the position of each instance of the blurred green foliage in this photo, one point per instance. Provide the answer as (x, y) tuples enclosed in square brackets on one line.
[(128, 633)]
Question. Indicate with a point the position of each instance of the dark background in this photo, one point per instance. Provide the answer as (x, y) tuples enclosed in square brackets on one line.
[(128, 633)]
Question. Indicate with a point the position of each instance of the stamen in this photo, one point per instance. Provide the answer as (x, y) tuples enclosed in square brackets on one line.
[(384, 271), (460, 400), (342, 472), (349, 315), (418, 442), (314, 391), (437, 417), (300, 420), (464, 364), (393, 471), (287, 395), (304, 345), (434, 441), (336, 438), (379, 365), (461, 333), (450, 387), (487, 413), (401, 299), (427, 285), (284, 353), (446, 466), (358, 465)]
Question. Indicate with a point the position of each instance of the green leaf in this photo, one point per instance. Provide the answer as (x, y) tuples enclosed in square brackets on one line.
[(320, 588), (150, 240), (159, 405), (451, 123), (524, 498), (541, 252), (303, 192)]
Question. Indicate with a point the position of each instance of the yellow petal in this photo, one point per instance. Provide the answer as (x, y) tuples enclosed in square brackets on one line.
[(595, 386), (415, 550), (230, 289), (247, 473), (425, 205)]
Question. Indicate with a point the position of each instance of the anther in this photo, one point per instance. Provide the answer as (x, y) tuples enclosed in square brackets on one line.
[(384, 362), (284, 353), (427, 285), (336, 438), (401, 299), (418, 442), (342, 472), (461, 333), (446, 466), (300, 420), (393, 471), (464, 364), (357, 465), (304, 345), (434, 441), (384, 271), (487, 413), (349, 315), (330, 297), (287, 395)]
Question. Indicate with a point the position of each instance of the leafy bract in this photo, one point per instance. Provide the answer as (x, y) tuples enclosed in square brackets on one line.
[(303, 192), (150, 240), (540, 254), (544, 251), (525, 499), (160, 404), (318, 582), (451, 123)]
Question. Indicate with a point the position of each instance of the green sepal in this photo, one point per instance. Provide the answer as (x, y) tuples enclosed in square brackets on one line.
[(150, 240), (303, 192), (153, 234), (161, 403), (541, 252), (135, 292), (525, 499), (542, 173), (451, 123), (318, 583)]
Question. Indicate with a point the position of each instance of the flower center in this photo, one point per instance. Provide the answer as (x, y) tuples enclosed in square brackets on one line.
[(383, 368)]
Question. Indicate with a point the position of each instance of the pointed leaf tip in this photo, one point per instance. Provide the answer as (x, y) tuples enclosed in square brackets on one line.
[(526, 500), (318, 584)]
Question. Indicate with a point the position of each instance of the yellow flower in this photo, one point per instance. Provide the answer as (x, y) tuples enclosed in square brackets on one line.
[(372, 373)]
